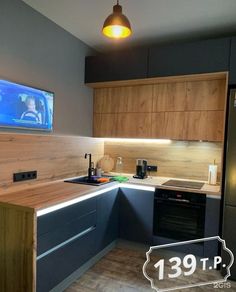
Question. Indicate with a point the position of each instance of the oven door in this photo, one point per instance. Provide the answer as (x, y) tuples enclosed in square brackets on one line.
[(178, 219)]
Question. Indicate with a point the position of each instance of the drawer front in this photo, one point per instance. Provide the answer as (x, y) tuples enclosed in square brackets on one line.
[(54, 268), (54, 220), (64, 232)]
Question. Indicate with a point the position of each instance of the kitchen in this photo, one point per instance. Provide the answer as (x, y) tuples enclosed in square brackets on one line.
[(132, 147)]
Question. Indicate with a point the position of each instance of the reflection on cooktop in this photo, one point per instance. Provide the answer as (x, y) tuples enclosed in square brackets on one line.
[(184, 184)]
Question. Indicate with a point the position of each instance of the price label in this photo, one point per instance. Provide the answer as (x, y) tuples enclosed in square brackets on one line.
[(179, 270), (186, 266)]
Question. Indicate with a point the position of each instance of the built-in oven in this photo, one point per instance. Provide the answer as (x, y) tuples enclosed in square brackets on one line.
[(179, 215)]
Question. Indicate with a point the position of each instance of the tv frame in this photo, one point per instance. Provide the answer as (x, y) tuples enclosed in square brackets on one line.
[(28, 128)]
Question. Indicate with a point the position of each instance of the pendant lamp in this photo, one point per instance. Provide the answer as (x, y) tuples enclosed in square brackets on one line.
[(117, 25)]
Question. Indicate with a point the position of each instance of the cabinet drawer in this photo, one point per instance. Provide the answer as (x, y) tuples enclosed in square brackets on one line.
[(64, 232), (54, 268), (55, 220)]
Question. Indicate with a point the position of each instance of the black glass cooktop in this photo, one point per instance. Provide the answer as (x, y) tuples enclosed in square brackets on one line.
[(184, 184)]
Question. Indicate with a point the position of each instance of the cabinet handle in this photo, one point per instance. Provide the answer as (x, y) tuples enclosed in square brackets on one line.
[(66, 242)]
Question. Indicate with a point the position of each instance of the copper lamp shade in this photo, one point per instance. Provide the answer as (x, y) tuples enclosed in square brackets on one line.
[(117, 24)]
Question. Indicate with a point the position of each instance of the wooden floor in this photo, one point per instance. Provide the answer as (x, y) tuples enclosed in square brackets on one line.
[(121, 270)]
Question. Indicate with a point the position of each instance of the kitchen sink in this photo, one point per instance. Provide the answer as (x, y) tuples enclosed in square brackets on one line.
[(86, 181)]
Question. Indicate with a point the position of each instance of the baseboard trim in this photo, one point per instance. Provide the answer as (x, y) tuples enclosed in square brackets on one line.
[(78, 273)]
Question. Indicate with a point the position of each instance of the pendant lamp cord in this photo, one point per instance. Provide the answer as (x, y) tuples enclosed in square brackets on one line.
[(118, 2)]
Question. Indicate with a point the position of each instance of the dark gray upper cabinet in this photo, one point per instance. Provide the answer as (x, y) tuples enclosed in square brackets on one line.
[(122, 65), (232, 73), (136, 215), (190, 58)]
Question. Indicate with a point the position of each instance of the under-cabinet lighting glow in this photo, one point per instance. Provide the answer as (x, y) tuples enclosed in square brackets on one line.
[(130, 140), (74, 201), (93, 194), (137, 187)]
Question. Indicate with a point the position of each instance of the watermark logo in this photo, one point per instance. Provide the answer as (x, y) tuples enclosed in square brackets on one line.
[(168, 272)]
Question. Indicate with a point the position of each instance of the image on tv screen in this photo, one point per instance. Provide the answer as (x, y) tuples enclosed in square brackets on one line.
[(25, 107)]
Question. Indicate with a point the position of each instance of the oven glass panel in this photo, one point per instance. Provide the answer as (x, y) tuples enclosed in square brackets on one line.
[(179, 221)]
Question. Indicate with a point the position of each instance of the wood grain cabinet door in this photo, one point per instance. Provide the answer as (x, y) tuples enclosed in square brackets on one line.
[(196, 125), (215, 126), (128, 99), (169, 97), (111, 100), (169, 125), (184, 110), (105, 125), (205, 95), (134, 125)]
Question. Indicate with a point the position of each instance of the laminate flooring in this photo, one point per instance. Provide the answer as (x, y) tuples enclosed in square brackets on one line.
[(121, 271)]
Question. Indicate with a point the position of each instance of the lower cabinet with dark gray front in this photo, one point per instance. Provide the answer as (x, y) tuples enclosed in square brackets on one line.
[(71, 236), (212, 223), (107, 219), (59, 264), (136, 215), (65, 241)]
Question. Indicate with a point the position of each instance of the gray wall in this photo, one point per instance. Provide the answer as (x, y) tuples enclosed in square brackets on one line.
[(37, 52)]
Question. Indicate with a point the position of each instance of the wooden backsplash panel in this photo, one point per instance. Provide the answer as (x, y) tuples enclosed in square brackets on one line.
[(176, 159), (54, 157)]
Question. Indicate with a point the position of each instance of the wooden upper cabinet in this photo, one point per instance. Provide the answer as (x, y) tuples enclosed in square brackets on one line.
[(205, 95), (184, 110), (123, 99), (168, 125), (196, 125), (105, 125), (169, 97), (215, 125), (111, 100), (134, 125), (122, 125), (189, 96)]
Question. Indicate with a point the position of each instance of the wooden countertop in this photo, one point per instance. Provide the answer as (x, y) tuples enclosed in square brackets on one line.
[(210, 190), (50, 194)]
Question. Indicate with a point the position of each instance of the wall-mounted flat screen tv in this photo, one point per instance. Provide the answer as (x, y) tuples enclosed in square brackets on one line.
[(25, 107)]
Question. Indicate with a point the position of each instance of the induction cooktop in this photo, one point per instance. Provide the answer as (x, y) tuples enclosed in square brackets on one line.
[(184, 184)]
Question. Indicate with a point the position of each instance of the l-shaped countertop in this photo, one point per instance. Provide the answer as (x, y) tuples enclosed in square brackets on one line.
[(50, 196)]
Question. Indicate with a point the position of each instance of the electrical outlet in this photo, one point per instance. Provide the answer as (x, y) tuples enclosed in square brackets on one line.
[(152, 168), (27, 175)]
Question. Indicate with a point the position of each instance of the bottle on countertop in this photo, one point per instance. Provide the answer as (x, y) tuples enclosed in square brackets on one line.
[(212, 174), (119, 165)]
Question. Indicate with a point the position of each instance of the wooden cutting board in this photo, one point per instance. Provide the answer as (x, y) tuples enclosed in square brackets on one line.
[(106, 163)]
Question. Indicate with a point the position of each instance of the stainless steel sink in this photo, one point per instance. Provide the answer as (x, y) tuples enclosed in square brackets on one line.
[(86, 181)]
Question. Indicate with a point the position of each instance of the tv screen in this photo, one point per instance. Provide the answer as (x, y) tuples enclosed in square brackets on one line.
[(25, 107)]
